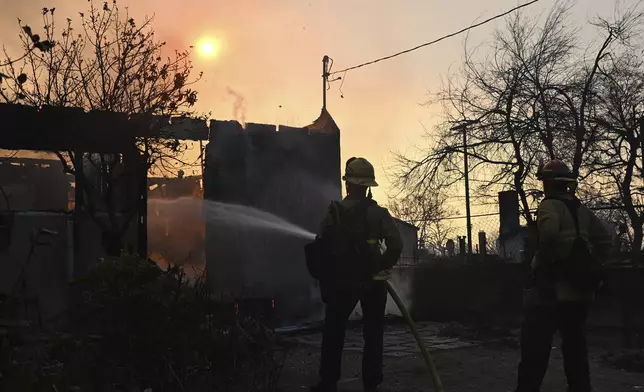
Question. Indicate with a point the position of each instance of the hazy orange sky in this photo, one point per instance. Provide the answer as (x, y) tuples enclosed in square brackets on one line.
[(273, 51)]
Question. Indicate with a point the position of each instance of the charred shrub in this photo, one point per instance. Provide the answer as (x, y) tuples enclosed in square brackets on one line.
[(136, 327)]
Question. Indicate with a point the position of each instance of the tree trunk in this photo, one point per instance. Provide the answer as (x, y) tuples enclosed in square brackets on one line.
[(112, 243)]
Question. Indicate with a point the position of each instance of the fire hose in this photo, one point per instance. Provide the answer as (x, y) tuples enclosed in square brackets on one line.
[(383, 276), (431, 367)]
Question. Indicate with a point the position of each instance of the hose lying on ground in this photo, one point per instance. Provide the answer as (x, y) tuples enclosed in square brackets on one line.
[(421, 345)]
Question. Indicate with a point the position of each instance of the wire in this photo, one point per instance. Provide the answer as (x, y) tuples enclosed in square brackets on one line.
[(434, 41), (342, 84), (453, 217), (13, 155), (328, 73), (531, 211)]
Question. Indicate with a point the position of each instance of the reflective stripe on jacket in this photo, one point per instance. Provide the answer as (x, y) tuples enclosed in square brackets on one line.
[(557, 233)]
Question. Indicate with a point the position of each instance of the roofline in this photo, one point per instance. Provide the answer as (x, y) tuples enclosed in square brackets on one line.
[(407, 224)]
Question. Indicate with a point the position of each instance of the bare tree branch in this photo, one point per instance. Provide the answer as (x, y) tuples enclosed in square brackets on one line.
[(111, 63)]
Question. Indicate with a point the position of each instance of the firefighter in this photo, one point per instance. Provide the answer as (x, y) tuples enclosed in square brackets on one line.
[(571, 240), (342, 290)]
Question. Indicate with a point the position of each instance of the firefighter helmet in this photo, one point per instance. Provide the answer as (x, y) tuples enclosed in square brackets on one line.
[(555, 170), (360, 172)]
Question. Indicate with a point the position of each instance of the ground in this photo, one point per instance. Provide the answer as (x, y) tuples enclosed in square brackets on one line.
[(487, 365)]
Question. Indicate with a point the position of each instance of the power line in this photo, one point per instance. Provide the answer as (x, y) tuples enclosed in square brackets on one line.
[(472, 216), (434, 41), (600, 208), (452, 218)]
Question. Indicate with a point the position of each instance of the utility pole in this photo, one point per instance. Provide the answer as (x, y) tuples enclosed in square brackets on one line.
[(142, 169), (325, 79), (78, 214), (467, 193), (463, 127)]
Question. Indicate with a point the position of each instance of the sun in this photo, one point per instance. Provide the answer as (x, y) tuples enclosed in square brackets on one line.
[(208, 47)]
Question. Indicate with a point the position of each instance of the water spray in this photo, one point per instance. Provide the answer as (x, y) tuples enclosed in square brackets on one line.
[(233, 215)]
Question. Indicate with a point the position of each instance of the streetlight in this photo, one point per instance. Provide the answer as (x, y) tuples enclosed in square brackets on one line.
[(462, 126)]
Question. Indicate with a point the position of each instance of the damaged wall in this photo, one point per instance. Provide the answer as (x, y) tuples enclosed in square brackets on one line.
[(29, 184), (49, 269), (409, 236), (292, 173)]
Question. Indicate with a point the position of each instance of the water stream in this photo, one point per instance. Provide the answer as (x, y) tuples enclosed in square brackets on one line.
[(236, 215)]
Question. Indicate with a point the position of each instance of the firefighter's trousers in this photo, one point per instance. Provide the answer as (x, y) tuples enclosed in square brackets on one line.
[(540, 324), (340, 299)]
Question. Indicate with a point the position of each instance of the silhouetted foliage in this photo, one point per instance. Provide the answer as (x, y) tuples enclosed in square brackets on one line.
[(136, 327), (111, 63), (427, 211)]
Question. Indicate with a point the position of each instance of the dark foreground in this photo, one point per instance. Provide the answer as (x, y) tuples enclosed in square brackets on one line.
[(486, 366)]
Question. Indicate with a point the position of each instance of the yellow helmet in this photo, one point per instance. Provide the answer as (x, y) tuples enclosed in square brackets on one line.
[(360, 172)]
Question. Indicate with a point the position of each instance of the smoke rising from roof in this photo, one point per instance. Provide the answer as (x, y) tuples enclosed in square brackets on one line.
[(239, 106)]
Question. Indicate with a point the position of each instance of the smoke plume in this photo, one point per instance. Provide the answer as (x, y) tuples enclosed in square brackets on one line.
[(239, 106)]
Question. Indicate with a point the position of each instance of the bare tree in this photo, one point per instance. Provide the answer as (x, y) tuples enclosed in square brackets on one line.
[(32, 43), (500, 97), (36, 44), (113, 64), (534, 96), (438, 233), (619, 115), (428, 213)]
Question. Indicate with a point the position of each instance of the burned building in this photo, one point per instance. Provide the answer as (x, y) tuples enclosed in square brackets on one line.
[(409, 235), (176, 229), (290, 172), (33, 184), (35, 194)]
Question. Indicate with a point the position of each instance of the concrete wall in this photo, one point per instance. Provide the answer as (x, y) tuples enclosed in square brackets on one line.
[(49, 269), (46, 273), (293, 173), (34, 185), (486, 292)]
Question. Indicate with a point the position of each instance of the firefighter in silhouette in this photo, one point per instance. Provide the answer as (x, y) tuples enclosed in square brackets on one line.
[(565, 274), (352, 234)]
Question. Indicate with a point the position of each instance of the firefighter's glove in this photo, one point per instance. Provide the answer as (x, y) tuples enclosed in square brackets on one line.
[(382, 275)]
